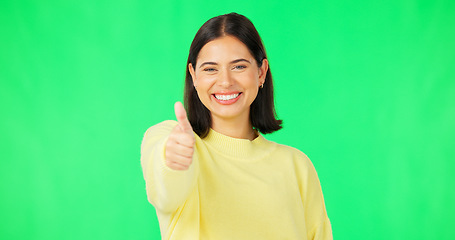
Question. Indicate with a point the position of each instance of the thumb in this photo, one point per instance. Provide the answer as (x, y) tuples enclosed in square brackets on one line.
[(180, 114)]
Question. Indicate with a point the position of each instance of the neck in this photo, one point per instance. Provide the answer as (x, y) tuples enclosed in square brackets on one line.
[(239, 128)]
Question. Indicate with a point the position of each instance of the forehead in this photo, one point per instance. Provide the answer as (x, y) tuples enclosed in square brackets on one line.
[(224, 49)]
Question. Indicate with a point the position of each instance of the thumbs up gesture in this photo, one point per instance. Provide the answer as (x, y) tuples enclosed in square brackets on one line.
[(180, 144)]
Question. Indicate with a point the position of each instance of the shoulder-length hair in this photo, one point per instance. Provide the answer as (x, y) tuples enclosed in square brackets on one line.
[(262, 110)]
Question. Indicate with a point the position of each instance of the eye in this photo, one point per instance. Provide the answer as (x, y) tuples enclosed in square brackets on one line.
[(209, 69), (239, 67)]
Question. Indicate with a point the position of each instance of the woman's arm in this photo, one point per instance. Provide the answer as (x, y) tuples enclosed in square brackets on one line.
[(167, 189), (318, 223)]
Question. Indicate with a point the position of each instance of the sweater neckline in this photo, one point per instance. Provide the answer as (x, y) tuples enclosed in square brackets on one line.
[(236, 147)]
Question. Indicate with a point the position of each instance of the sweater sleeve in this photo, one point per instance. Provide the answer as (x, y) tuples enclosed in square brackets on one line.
[(167, 189), (318, 223)]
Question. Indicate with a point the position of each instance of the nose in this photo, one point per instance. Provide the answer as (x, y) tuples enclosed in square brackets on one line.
[(225, 79)]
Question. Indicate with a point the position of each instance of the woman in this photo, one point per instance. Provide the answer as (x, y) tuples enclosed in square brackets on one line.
[(211, 175)]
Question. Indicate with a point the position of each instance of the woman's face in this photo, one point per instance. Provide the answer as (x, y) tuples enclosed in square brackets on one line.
[(227, 78)]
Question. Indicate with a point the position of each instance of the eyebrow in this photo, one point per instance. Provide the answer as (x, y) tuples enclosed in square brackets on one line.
[(232, 62)]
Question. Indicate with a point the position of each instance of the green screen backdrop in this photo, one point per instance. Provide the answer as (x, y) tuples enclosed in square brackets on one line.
[(365, 88)]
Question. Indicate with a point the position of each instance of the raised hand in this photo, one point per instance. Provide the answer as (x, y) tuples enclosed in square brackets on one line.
[(180, 144)]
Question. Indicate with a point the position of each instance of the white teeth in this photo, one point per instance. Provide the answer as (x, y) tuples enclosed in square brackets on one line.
[(227, 97)]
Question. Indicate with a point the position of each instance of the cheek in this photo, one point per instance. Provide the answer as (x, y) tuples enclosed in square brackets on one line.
[(203, 80), (251, 79), (204, 83)]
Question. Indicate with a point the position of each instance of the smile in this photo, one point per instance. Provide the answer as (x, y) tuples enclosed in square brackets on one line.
[(226, 99)]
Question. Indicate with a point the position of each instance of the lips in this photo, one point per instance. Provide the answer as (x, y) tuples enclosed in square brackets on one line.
[(226, 98)]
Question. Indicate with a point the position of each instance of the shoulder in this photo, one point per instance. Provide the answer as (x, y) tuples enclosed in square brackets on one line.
[(291, 151), (299, 159), (302, 166)]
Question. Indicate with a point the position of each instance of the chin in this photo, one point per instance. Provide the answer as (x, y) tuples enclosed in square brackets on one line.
[(226, 114)]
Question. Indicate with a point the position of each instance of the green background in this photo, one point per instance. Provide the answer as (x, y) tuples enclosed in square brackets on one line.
[(365, 88)]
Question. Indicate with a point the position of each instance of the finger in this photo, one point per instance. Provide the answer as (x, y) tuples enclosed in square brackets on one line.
[(176, 166), (181, 138), (173, 150), (180, 114), (177, 158), (186, 151), (182, 150), (185, 139)]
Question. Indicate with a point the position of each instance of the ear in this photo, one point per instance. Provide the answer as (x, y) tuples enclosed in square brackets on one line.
[(192, 73), (263, 70)]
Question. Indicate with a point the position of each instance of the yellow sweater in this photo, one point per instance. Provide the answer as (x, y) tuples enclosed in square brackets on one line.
[(234, 189)]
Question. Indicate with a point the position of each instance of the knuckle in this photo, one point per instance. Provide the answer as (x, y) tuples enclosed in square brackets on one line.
[(171, 140), (180, 167), (189, 140), (174, 132), (188, 161), (185, 166), (168, 163)]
